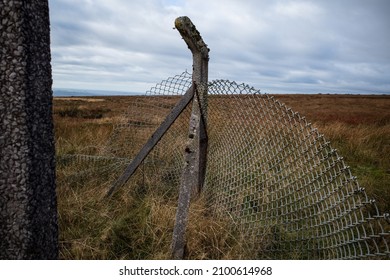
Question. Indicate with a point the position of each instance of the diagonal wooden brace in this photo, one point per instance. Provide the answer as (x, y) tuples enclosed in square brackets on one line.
[(153, 140)]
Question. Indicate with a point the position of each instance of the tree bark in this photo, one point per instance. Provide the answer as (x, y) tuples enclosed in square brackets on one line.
[(28, 205)]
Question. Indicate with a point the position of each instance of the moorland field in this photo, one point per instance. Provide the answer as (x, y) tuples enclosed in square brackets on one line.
[(139, 226)]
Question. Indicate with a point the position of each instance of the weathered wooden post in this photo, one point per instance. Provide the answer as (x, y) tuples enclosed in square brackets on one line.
[(196, 148), (196, 151), (28, 206)]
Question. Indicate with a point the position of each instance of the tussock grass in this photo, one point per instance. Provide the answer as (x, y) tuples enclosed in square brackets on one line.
[(137, 223), (358, 126), (366, 148)]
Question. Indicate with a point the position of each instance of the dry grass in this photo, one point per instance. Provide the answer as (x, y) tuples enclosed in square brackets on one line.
[(359, 127), (138, 223), (91, 99)]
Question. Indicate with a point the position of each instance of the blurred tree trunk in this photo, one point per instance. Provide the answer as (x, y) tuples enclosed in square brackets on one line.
[(28, 205)]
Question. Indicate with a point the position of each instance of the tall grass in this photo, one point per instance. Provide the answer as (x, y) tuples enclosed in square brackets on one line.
[(137, 223), (366, 148), (358, 126)]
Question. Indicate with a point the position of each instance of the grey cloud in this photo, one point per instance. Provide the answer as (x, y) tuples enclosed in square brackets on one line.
[(281, 46)]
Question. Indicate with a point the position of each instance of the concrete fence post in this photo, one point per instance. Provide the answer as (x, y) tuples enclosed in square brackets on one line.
[(28, 206), (196, 148)]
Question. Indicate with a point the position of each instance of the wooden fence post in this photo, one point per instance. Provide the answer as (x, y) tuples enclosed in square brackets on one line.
[(28, 205), (196, 149)]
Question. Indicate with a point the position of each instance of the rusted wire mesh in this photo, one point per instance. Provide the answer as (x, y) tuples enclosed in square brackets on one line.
[(276, 176)]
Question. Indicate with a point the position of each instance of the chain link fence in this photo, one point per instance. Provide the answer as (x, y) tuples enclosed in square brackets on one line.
[(268, 169), (284, 184)]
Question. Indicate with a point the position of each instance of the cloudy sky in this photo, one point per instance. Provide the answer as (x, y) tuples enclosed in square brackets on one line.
[(279, 46)]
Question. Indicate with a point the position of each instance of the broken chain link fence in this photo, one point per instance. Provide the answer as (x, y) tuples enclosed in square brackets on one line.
[(268, 169)]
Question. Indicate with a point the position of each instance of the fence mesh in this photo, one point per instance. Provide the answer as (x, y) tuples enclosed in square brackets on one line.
[(162, 168), (283, 183), (268, 169)]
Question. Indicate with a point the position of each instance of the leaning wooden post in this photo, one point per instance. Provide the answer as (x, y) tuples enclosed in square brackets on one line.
[(28, 206), (196, 149)]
